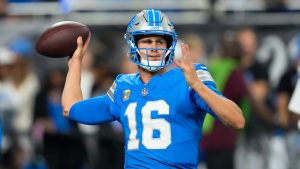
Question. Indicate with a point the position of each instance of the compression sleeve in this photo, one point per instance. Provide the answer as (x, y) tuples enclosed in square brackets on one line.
[(92, 111)]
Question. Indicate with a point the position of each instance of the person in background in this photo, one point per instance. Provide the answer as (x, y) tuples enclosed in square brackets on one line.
[(254, 145), (3, 8), (197, 47), (7, 102), (55, 136), (289, 119), (231, 82), (25, 85)]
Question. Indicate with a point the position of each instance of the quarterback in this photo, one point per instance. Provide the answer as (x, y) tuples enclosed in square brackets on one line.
[(161, 109)]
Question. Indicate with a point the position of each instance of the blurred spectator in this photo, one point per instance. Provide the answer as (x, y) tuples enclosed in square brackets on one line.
[(276, 5), (197, 47), (239, 5), (7, 102), (56, 137), (230, 81), (24, 1), (3, 8), (255, 148), (25, 85), (290, 120)]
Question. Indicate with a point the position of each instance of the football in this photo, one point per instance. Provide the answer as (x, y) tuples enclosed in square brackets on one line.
[(60, 39)]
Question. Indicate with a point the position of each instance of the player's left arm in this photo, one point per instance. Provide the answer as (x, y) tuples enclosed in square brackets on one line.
[(226, 110)]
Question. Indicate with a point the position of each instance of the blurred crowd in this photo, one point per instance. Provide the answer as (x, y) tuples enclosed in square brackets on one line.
[(34, 132), (35, 135)]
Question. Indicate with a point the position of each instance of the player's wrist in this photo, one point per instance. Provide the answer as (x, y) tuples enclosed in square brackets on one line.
[(74, 62), (195, 84)]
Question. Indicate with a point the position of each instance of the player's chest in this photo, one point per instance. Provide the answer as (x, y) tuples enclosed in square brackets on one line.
[(148, 99), (148, 115)]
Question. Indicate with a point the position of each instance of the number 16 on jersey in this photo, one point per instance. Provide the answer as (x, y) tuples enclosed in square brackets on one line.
[(149, 125)]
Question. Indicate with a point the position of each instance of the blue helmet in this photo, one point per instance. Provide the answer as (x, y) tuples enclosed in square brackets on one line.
[(151, 22)]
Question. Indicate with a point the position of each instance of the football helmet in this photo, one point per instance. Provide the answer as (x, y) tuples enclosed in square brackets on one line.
[(151, 22)]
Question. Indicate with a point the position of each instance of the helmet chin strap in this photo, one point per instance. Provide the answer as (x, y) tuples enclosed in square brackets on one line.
[(152, 66)]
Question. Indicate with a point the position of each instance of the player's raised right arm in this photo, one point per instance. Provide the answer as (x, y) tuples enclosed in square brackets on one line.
[(72, 92)]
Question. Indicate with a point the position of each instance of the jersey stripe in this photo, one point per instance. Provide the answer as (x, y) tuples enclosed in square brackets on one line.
[(111, 91), (204, 75)]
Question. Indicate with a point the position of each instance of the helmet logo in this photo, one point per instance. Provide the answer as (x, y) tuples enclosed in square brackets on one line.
[(154, 27), (153, 17)]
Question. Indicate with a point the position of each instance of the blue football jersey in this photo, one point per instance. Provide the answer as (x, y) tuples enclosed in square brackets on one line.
[(162, 120)]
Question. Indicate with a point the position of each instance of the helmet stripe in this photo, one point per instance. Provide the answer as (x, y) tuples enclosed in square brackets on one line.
[(153, 17), (150, 17), (157, 18)]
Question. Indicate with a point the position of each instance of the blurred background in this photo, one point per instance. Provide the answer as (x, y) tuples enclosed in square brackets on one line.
[(251, 47)]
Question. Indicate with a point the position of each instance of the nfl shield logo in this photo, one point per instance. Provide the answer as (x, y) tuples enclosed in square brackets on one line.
[(145, 92)]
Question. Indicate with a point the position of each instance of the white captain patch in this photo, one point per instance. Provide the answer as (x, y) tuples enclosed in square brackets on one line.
[(204, 75), (111, 91)]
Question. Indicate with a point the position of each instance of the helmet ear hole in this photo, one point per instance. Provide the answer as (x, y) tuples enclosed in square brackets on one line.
[(169, 40), (137, 38)]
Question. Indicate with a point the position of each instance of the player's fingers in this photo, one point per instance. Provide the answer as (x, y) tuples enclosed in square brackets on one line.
[(79, 42), (183, 50), (180, 64), (186, 52), (78, 52), (86, 44)]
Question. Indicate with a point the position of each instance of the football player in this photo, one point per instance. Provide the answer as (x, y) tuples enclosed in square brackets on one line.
[(161, 109)]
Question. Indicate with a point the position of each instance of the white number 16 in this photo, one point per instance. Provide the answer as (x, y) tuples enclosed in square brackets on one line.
[(149, 125)]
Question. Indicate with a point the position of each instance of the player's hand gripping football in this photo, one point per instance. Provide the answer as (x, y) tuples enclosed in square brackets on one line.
[(187, 67), (80, 51)]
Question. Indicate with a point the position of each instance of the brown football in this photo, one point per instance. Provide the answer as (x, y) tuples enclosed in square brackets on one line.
[(60, 39)]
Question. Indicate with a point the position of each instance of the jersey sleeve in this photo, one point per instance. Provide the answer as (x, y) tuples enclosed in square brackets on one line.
[(92, 111), (97, 110), (204, 75)]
